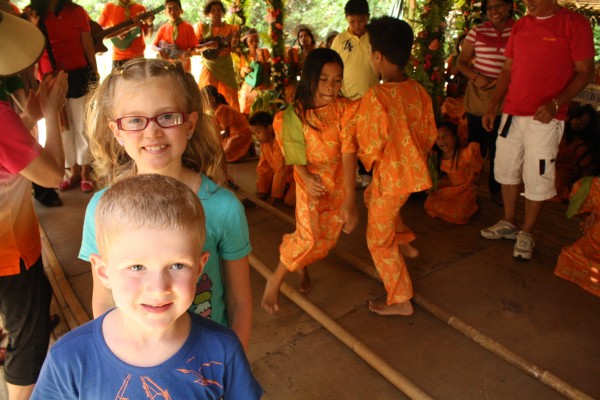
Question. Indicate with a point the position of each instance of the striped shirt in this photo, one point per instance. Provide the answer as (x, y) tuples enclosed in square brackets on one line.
[(489, 47)]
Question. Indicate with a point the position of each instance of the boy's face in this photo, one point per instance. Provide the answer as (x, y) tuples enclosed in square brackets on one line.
[(173, 11), (358, 24), (262, 133), (152, 275)]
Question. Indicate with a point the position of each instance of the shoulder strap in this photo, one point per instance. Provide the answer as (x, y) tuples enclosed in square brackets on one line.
[(578, 198), (42, 26), (294, 146)]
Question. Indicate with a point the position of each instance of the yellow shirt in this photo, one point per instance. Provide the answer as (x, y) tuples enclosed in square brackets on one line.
[(358, 73)]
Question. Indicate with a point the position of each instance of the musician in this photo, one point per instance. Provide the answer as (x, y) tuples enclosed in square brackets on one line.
[(130, 43), (176, 39), (218, 35)]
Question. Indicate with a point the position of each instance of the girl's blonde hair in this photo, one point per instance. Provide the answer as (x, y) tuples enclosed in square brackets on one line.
[(112, 163)]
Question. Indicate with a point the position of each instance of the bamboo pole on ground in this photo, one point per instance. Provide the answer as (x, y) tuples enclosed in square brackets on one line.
[(467, 330), (400, 381)]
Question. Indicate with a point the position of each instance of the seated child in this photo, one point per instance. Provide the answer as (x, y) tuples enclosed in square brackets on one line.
[(236, 137), (150, 231), (176, 39), (580, 262), (455, 197), (275, 178), (573, 158)]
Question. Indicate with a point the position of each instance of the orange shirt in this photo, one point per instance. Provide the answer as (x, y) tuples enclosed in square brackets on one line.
[(272, 162), (394, 130), (186, 39), (224, 31), (114, 14), (237, 144)]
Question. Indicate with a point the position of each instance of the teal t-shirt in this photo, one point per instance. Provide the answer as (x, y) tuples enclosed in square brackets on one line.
[(227, 238)]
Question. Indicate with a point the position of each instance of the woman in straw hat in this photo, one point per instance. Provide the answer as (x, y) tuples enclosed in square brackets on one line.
[(24, 289)]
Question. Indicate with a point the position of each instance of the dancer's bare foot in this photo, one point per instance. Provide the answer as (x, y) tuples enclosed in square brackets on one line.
[(382, 308), (408, 250), (270, 299), (303, 281)]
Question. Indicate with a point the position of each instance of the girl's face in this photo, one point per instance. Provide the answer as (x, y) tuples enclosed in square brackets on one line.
[(304, 39), (253, 42), (578, 124), (330, 84), (154, 149), (497, 11), (216, 13), (445, 141)]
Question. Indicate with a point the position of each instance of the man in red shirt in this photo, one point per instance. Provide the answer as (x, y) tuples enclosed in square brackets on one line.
[(129, 44), (549, 59)]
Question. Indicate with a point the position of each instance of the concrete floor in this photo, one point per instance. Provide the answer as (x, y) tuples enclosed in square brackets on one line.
[(522, 305)]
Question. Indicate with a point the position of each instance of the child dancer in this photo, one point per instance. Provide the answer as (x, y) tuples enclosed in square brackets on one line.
[(150, 231), (148, 118), (236, 137), (275, 179), (395, 129), (325, 199), (580, 262), (455, 197), (252, 54), (176, 39)]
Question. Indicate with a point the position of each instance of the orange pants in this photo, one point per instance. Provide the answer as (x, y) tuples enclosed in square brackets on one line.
[(385, 232), (318, 226)]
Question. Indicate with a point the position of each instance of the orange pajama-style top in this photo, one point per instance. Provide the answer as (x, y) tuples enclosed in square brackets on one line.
[(186, 40), (273, 174), (237, 144), (247, 93), (318, 223), (114, 14), (394, 129), (580, 262), (455, 199)]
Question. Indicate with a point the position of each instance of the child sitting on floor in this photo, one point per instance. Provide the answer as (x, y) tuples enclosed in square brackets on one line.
[(236, 137), (275, 179), (454, 198), (150, 231), (395, 129)]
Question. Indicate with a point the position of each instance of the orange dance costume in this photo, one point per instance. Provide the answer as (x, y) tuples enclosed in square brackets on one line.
[(237, 143), (247, 93), (318, 221), (219, 72), (580, 262), (455, 199), (274, 176), (394, 129)]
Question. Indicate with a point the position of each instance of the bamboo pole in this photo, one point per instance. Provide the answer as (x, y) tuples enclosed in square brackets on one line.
[(400, 381), (456, 323)]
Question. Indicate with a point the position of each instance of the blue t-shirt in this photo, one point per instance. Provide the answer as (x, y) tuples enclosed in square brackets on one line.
[(211, 364), (227, 238)]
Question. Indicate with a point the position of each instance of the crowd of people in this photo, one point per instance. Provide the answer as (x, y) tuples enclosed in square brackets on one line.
[(168, 243)]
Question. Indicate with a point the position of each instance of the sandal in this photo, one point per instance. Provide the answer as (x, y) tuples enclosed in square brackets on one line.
[(2, 355), (67, 184), (87, 186)]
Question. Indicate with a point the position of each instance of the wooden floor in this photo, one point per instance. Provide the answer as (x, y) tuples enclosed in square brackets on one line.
[(521, 306)]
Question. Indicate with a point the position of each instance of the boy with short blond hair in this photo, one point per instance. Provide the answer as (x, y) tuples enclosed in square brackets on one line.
[(275, 180), (150, 231)]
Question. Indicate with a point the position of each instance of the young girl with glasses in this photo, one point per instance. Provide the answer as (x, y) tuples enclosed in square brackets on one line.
[(149, 118)]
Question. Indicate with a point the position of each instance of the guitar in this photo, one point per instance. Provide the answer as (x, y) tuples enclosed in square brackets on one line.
[(211, 54), (98, 34)]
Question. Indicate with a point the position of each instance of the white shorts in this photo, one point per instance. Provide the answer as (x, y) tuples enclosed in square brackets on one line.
[(527, 153)]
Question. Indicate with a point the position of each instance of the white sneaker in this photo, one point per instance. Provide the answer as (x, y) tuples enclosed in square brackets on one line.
[(524, 246), (502, 229)]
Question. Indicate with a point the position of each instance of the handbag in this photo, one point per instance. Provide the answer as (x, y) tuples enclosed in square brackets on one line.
[(254, 78), (477, 99)]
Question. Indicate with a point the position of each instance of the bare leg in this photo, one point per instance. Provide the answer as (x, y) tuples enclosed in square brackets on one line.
[(16, 392), (532, 211), (75, 172), (303, 280), (510, 196), (270, 301), (382, 308)]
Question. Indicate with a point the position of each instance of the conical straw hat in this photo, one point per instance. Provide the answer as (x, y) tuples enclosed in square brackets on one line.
[(21, 44)]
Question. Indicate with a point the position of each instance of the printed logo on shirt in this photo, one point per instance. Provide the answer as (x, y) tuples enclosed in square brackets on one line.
[(549, 39), (202, 301), (348, 46)]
